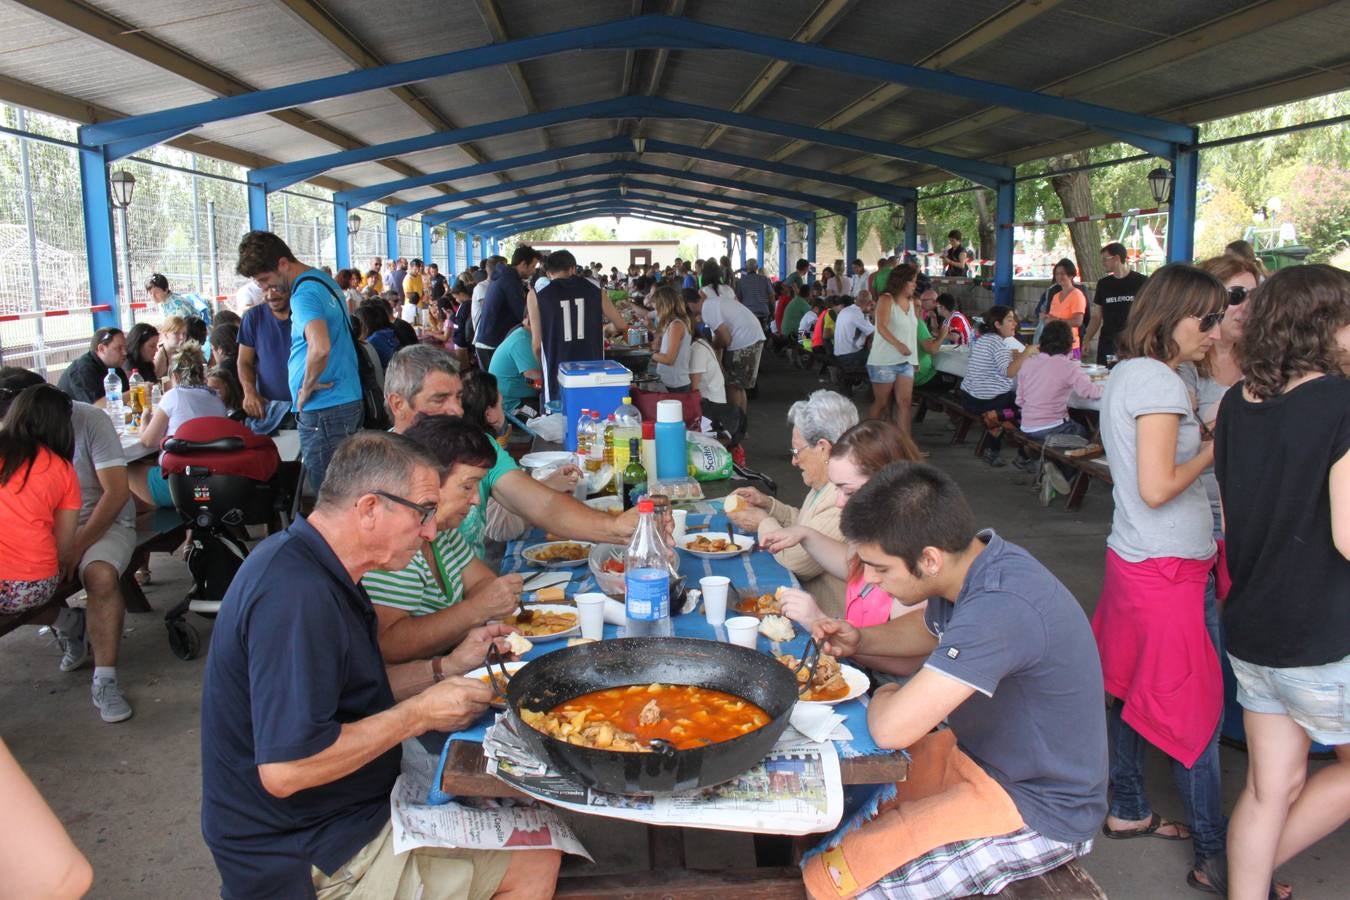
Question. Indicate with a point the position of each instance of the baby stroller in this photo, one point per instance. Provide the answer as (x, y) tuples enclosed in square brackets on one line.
[(223, 478)]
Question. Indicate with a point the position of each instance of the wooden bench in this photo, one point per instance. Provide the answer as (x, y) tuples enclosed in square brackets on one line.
[(1068, 882)]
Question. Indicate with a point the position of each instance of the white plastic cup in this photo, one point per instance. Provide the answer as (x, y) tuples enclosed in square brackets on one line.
[(681, 517), (743, 631), (591, 610), (714, 589)]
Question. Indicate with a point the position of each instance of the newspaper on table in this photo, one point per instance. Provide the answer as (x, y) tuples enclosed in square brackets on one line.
[(482, 823), (796, 789)]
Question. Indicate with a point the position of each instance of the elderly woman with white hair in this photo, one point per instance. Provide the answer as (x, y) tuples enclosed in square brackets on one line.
[(817, 422)]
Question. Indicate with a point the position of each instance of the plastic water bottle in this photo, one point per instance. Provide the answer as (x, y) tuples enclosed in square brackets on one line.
[(112, 393), (608, 457), (627, 427), (584, 434), (646, 579)]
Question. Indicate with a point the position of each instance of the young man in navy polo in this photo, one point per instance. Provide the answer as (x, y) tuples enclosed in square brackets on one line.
[(1017, 786)]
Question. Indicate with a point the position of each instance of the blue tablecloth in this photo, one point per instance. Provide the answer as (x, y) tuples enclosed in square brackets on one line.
[(752, 573)]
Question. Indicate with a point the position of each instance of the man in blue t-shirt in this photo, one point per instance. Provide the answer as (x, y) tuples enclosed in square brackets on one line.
[(1011, 665), (302, 720), (264, 350), (325, 382)]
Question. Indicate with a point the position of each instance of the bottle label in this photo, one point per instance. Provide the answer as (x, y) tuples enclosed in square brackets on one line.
[(647, 594)]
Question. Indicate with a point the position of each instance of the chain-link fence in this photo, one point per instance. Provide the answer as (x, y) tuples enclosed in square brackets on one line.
[(186, 217)]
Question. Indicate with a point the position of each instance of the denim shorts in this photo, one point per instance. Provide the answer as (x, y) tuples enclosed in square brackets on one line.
[(1316, 697), (888, 374)]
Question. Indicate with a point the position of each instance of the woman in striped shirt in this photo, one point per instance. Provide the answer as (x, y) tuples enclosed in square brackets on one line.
[(431, 604), (988, 387)]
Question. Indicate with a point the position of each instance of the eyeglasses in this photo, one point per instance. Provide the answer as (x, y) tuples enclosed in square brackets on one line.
[(796, 450), (425, 510), (1209, 321), (1236, 294)]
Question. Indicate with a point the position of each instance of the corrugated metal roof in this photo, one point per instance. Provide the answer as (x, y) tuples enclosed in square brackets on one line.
[(267, 44)]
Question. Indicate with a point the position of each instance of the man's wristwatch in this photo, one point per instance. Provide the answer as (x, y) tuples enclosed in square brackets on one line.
[(437, 672)]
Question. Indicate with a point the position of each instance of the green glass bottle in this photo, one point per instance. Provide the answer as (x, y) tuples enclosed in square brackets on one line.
[(634, 475)]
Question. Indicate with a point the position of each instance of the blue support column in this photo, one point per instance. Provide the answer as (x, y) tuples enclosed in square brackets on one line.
[(450, 255), (782, 252), (257, 208), (342, 242), (468, 250), (98, 236), (759, 249), (911, 212), (1003, 248), (745, 239), (1181, 222), (850, 239), (811, 248), (390, 235), (426, 242)]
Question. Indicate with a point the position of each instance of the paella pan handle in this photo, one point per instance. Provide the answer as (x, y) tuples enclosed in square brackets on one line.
[(498, 677), (662, 748), (809, 661)]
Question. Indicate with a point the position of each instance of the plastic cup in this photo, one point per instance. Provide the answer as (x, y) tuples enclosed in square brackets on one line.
[(591, 610), (743, 631), (681, 517), (714, 589)]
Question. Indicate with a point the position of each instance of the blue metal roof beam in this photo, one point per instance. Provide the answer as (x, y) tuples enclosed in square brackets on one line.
[(362, 195), (123, 137), (669, 205), (455, 218), (566, 218), (612, 191), (605, 204), (274, 178), (625, 167), (891, 192)]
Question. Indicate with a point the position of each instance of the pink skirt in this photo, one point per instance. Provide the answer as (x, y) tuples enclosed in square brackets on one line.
[(1156, 653)]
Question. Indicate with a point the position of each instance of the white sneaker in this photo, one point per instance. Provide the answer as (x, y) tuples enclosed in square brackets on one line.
[(1061, 484), (111, 703)]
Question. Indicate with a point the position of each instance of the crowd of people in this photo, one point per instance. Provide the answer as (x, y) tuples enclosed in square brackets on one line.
[(1225, 422)]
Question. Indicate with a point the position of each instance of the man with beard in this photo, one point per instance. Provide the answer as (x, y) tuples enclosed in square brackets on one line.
[(322, 371)]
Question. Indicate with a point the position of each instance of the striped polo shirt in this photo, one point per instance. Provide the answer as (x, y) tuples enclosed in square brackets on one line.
[(987, 369), (414, 588)]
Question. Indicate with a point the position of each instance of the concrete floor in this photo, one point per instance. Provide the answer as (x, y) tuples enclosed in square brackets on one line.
[(129, 793)]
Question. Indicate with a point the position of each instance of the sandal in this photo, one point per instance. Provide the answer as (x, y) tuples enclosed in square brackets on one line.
[(1215, 870), (1149, 830), (143, 575)]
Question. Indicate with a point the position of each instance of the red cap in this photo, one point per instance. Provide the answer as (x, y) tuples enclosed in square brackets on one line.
[(646, 506), (649, 431)]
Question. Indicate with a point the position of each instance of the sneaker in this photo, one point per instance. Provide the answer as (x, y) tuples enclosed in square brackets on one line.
[(1026, 464), (994, 460), (1056, 477), (112, 706), (73, 641)]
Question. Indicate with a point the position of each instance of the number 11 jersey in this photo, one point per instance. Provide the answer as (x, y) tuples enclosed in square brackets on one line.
[(572, 320)]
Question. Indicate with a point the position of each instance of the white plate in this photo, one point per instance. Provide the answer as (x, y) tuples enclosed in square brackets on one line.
[(481, 672), (744, 543), (553, 608), (541, 458), (529, 555), (857, 682)]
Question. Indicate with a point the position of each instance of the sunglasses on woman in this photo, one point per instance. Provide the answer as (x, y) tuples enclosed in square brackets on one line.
[(1209, 321), (1236, 294)]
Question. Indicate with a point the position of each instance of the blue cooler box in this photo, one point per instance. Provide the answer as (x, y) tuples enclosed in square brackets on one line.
[(600, 385)]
